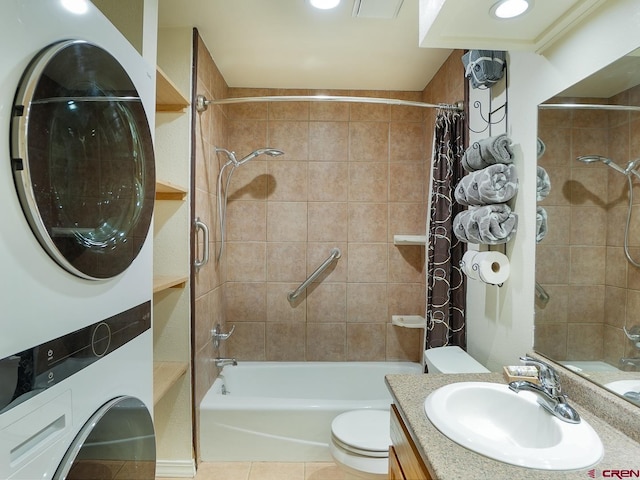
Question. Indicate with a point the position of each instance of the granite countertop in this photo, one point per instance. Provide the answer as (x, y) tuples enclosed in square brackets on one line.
[(448, 460)]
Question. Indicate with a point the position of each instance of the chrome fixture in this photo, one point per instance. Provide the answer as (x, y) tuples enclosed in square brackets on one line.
[(549, 392), (202, 103), (634, 397), (633, 334), (233, 162), (334, 255), (223, 362), (217, 336), (630, 362), (542, 294), (630, 169), (200, 225)]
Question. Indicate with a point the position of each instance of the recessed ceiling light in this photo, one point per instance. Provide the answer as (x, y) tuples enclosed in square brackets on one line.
[(324, 4), (511, 8)]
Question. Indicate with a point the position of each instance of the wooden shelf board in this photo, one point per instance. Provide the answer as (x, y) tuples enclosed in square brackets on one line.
[(168, 97), (163, 282), (165, 375), (169, 191)]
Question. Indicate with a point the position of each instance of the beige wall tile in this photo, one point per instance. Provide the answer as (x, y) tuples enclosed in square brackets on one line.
[(246, 221), (326, 342), (285, 342), (584, 341), (290, 137), (287, 221), (279, 309), (327, 303), (329, 141), (367, 303), (328, 181), (248, 341), (587, 265), (406, 182), (406, 264), (287, 181), (246, 261), (404, 343), (368, 262), (245, 302), (366, 342), (286, 261), (406, 141), (327, 222), (368, 222), (318, 252), (368, 142), (368, 182), (586, 303)]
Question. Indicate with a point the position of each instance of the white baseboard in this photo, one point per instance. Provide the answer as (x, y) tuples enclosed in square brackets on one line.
[(175, 469)]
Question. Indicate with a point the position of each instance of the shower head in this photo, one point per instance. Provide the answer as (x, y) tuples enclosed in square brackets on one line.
[(272, 152), (605, 160)]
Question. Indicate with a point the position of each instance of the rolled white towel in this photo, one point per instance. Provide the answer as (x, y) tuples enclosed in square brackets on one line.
[(543, 184), (495, 184), (541, 224), (489, 224), (488, 151)]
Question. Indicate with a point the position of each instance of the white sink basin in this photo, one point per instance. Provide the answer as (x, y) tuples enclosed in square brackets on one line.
[(623, 386), (511, 427)]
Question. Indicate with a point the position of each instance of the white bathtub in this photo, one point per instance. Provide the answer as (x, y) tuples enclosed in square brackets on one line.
[(282, 411)]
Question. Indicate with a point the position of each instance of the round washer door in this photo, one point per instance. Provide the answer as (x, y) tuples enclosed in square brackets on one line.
[(118, 441), (82, 156)]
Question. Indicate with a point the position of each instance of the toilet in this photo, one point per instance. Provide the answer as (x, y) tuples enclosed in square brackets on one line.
[(451, 359), (360, 439)]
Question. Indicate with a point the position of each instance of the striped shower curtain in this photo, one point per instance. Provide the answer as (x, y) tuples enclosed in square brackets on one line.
[(446, 288)]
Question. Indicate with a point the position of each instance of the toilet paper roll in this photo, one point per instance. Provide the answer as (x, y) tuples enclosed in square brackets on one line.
[(492, 267), (466, 264)]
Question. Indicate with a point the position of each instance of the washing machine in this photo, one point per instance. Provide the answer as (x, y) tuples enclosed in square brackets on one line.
[(77, 181)]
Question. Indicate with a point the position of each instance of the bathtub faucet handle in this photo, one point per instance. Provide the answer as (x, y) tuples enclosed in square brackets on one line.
[(217, 336)]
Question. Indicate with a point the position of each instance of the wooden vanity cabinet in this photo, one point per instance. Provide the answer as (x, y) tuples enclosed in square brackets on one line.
[(404, 460)]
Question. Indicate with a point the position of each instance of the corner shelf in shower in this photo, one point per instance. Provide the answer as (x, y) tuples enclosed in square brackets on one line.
[(410, 240), (165, 376), (169, 191), (168, 97)]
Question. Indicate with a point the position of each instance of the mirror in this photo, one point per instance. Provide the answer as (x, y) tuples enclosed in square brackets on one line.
[(587, 292)]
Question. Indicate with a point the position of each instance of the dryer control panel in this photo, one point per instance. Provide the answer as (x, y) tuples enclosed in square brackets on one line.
[(32, 371)]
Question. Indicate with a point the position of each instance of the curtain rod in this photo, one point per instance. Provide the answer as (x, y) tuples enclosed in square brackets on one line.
[(588, 106), (202, 103)]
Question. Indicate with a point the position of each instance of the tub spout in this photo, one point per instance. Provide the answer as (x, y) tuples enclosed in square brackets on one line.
[(221, 362)]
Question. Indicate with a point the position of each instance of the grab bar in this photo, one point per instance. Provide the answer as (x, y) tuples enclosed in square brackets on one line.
[(200, 225), (335, 254), (542, 294)]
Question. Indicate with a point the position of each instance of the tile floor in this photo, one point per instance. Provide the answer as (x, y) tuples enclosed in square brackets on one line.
[(270, 471)]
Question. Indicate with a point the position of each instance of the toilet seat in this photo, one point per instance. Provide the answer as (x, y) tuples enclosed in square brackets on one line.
[(360, 442), (365, 432)]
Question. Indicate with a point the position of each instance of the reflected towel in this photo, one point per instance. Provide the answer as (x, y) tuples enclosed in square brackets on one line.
[(543, 184), (495, 184), (541, 224), (541, 148), (487, 151), (489, 225)]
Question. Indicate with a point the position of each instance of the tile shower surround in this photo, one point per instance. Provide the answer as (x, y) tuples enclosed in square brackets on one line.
[(352, 176), (594, 290)]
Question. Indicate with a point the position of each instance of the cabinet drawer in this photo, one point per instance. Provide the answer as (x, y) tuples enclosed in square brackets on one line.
[(412, 466)]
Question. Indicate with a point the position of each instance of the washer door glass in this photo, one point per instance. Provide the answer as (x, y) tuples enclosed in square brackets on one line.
[(118, 442), (83, 159)]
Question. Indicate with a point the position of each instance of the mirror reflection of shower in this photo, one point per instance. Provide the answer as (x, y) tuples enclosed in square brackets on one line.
[(628, 171), (233, 163)]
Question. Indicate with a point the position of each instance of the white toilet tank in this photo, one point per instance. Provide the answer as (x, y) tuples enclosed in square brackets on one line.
[(451, 359)]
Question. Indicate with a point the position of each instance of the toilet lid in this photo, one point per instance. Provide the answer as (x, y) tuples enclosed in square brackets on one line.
[(363, 431)]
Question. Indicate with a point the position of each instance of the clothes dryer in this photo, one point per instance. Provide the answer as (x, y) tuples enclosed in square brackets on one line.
[(77, 176)]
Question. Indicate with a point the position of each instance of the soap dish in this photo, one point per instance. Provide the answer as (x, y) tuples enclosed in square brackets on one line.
[(521, 372)]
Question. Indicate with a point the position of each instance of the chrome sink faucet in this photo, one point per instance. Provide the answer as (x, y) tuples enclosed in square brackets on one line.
[(549, 392)]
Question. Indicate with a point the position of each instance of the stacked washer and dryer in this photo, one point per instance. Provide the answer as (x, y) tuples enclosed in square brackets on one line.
[(77, 182)]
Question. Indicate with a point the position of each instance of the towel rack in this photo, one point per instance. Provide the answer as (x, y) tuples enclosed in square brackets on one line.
[(335, 254)]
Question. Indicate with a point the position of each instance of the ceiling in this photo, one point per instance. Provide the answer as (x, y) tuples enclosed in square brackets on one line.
[(289, 44)]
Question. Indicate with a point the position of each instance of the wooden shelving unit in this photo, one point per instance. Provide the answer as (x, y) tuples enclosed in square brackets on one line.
[(166, 190), (165, 375), (168, 97), (163, 282)]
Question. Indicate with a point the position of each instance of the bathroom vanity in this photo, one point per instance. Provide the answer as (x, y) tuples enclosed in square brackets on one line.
[(420, 451)]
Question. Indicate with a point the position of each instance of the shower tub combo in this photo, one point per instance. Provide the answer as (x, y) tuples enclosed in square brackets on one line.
[(282, 411)]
